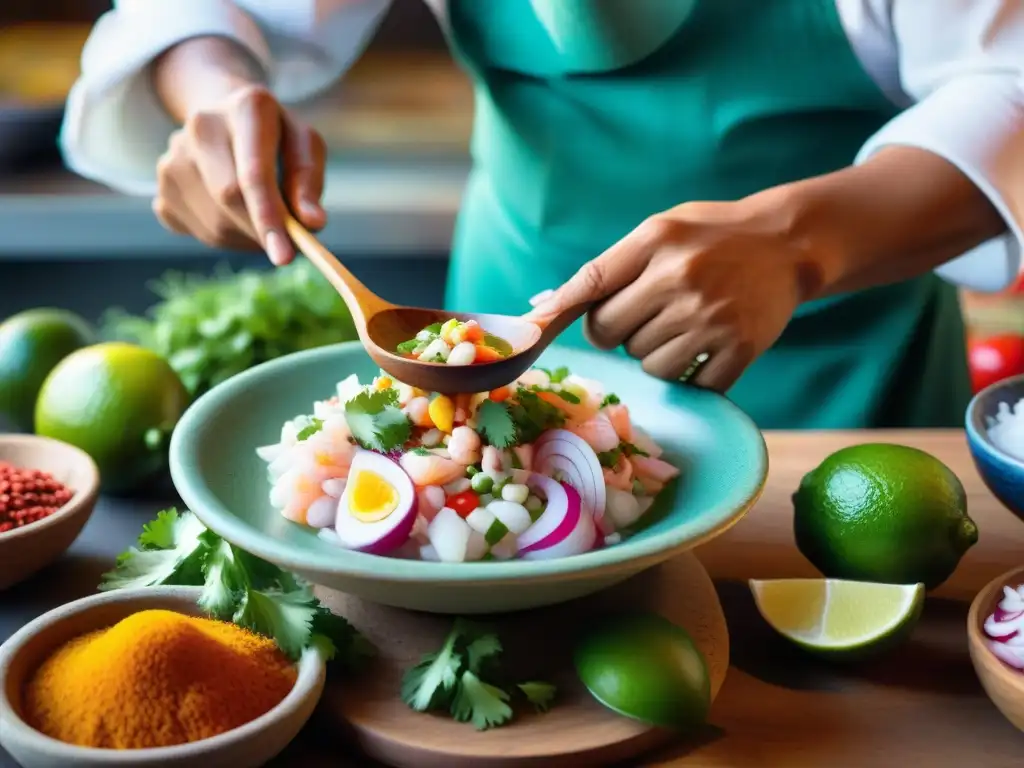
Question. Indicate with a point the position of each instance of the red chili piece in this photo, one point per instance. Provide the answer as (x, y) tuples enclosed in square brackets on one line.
[(28, 496), (463, 503)]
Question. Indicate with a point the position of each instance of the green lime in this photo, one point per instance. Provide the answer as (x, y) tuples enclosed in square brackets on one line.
[(842, 620), (883, 513), (647, 668), (31, 344), (118, 403)]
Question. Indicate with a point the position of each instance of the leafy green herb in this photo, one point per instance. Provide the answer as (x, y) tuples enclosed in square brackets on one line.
[(237, 586), (434, 328), (611, 458), (419, 450), (533, 416), (408, 347), (565, 394), (539, 694), (495, 424), (455, 679), (558, 375), (314, 426), (610, 399), (376, 421), (210, 328)]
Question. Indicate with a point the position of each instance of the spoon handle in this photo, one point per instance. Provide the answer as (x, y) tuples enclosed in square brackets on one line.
[(360, 300), (553, 325)]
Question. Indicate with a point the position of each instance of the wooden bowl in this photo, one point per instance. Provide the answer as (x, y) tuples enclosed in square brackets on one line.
[(247, 746), (23, 551), (1004, 685)]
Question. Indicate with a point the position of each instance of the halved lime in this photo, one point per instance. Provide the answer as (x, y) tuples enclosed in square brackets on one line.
[(839, 619)]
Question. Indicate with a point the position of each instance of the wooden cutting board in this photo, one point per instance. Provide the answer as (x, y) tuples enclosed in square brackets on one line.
[(577, 731)]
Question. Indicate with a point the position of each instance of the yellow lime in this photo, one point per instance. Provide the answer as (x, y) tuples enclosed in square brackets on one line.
[(31, 344), (118, 403), (883, 513), (839, 619)]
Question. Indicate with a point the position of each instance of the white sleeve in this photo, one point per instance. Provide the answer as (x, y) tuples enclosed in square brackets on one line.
[(115, 129), (961, 63)]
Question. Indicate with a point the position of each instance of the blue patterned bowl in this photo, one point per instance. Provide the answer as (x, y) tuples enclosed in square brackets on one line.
[(1002, 473)]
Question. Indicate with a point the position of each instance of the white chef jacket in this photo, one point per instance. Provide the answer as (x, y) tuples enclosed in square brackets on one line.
[(955, 68)]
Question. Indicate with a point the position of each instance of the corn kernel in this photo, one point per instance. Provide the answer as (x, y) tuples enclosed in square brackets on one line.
[(384, 382)]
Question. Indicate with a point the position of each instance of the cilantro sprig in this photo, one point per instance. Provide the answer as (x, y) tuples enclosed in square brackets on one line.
[(376, 421), (611, 458), (177, 549), (458, 678), (521, 419)]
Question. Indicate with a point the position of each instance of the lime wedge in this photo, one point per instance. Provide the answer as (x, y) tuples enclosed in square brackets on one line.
[(839, 619)]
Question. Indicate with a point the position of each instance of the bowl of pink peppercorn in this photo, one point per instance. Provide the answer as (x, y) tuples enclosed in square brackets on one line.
[(48, 490), (995, 637)]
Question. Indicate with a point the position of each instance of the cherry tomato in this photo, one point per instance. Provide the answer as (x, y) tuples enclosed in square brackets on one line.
[(994, 359), (463, 503)]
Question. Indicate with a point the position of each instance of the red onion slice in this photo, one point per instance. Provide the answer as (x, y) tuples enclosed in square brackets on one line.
[(560, 450), (561, 513)]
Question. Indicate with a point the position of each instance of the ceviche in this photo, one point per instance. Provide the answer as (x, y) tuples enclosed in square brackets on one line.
[(455, 343), (549, 466)]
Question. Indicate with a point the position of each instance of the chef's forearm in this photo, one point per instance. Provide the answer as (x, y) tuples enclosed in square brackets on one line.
[(200, 73), (897, 216)]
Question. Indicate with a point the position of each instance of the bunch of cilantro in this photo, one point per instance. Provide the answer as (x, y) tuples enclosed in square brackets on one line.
[(210, 328), (176, 549), (459, 679)]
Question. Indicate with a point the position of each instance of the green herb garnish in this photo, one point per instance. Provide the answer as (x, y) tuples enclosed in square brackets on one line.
[(558, 375), (533, 416), (457, 678), (314, 426), (176, 549), (210, 328), (408, 347), (611, 458), (495, 424), (610, 399), (376, 421)]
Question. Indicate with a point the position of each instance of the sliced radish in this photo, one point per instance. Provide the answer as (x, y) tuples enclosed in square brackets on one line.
[(449, 534), (561, 451), (377, 511)]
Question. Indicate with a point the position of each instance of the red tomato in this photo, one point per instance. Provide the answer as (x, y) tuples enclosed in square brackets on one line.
[(463, 503), (994, 359)]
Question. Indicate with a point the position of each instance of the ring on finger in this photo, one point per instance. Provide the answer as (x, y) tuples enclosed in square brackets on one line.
[(695, 365)]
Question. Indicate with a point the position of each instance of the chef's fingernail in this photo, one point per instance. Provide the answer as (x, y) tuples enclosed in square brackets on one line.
[(276, 249), (541, 298), (311, 209)]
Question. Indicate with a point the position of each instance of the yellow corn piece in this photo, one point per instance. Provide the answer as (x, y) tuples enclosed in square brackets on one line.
[(384, 383), (442, 413)]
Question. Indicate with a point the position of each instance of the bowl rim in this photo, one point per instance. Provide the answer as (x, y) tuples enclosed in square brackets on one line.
[(981, 606), (976, 431), (311, 670), (215, 516), (83, 499)]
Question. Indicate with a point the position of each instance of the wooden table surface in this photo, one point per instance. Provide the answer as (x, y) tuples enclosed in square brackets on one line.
[(920, 706)]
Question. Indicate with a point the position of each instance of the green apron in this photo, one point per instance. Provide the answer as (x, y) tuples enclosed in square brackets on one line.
[(589, 120)]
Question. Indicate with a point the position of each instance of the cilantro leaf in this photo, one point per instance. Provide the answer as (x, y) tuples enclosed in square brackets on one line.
[(481, 649), (285, 616), (224, 579), (558, 375), (431, 683), (482, 704), (494, 422), (610, 399), (171, 551), (539, 694), (338, 640), (631, 450), (376, 421), (609, 458), (314, 426), (533, 416)]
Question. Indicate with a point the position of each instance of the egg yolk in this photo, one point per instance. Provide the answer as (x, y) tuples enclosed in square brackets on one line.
[(372, 498)]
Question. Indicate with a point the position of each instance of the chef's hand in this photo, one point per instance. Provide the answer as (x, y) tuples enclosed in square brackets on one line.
[(703, 278), (218, 180)]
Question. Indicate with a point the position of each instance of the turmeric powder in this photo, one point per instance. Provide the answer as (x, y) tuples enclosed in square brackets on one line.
[(156, 679)]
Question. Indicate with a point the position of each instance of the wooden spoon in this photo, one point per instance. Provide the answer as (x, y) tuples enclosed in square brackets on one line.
[(382, 326)]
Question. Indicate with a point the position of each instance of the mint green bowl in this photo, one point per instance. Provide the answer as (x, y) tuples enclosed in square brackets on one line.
[(215, 469)]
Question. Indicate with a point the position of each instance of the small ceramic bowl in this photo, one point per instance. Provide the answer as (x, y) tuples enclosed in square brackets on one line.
[(23, 551), (247, 746), (1004, 685)]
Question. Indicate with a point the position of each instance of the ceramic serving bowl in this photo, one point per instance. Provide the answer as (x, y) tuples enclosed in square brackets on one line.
[(23, 551), (1002, 473), (1004, 685), (218, 475), (248, 746)]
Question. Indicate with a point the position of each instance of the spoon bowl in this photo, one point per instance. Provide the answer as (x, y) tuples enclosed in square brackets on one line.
[(382, 326)]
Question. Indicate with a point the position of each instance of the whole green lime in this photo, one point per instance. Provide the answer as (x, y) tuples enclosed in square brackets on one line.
[(884, 513), (118, 403), (31, 344), (647, 668)]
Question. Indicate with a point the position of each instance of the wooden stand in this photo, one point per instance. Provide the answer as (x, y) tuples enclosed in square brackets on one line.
[(576, 732)]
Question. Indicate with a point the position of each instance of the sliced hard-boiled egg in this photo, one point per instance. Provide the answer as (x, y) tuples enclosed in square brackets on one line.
[(378, 508)]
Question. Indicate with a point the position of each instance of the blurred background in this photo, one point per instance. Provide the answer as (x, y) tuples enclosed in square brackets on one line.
[(398, 129)]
